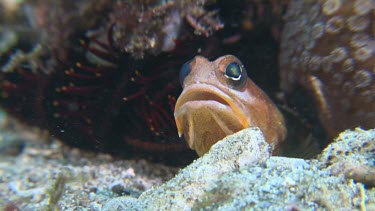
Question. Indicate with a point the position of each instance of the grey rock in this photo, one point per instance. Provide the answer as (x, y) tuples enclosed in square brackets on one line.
[(239, 174), (236, 152)]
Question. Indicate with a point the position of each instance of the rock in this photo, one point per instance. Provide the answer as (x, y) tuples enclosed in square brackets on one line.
[(352, 155), (245, 148), (239, 174)]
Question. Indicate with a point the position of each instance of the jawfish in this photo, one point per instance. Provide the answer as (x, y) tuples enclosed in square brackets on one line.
[(218, 99)]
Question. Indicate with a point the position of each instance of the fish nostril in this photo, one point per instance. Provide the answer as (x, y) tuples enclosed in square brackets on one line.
[(185, 70)]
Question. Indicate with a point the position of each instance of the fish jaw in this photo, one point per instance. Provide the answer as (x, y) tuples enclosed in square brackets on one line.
[(205, 114)]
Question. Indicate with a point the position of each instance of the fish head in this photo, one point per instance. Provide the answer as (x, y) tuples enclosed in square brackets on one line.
[(218, 99)]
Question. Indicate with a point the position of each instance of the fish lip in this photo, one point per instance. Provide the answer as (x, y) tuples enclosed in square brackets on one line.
[(189, 94), (194, 93)]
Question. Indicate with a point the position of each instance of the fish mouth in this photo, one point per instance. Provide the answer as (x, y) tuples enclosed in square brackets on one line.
[(211, 98), (203, 94)]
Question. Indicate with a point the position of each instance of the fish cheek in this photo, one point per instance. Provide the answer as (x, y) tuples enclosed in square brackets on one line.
[(205, 130), (209, 139), (206, 125), (199, 130)]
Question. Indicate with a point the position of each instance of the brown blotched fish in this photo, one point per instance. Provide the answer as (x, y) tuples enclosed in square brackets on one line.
[(218, 99)]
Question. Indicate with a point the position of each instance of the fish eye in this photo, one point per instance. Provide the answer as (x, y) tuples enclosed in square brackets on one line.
[(233, 71), (185, 70)]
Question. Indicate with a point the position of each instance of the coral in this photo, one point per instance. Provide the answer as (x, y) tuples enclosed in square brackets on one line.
[(79, 77), (31, 58), (328, 48), (10, 7), (8, 40), (267, 13), (156, 27), (106, 72), (59, 23)]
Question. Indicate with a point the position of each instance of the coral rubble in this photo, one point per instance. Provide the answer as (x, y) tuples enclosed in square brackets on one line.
[(37, 173)]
